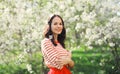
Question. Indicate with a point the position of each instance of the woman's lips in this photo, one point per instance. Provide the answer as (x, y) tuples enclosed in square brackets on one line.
[(59, 30)]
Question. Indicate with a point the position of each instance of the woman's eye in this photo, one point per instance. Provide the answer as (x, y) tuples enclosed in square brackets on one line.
[(55, 23), (60, 23)]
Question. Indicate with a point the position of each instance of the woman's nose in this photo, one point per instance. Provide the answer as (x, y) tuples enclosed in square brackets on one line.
[(59, 25)]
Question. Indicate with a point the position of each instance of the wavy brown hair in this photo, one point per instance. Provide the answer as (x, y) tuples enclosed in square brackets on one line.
[(61, 37)]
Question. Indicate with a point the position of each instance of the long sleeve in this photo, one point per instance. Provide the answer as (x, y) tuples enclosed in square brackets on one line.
[(49, 53)]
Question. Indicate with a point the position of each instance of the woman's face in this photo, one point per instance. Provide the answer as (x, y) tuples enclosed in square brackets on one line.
[(56, 25)]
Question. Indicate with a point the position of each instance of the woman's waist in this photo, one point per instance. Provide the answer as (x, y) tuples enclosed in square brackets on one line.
[(54, 68)]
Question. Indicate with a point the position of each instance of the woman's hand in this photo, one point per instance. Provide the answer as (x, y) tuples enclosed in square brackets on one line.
[(69, 54), (45, 30), (65, 60)]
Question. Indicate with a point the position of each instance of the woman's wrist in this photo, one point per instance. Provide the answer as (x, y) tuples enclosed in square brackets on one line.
[(71, 63)]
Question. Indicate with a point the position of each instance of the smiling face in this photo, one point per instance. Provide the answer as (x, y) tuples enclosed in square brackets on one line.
[(56, 25)]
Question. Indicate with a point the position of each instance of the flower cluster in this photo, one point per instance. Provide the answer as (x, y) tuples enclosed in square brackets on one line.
[(87, 22)]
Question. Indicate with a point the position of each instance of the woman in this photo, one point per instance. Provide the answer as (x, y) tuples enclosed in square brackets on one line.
[(53, 48)]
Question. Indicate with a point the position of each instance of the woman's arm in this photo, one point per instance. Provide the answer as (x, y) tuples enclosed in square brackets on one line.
[(65, 61), (71, 63), (48, 50)]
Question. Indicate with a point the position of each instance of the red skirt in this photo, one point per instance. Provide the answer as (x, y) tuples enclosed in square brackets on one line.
[(64, 70)]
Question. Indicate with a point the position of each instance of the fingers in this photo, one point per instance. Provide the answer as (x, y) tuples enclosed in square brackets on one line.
[(69, 53), (59, 61), (63, 60), (45, 30)]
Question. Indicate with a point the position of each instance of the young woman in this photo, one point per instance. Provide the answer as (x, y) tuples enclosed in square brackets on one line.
[(56, 57)]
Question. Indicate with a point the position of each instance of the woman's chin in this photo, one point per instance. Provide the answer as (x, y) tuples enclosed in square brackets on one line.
[(58, 32)]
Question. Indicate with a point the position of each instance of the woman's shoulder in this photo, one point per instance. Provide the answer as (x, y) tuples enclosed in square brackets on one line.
[(45, 40)]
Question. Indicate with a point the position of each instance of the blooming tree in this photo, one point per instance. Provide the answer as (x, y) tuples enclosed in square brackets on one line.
[(87, 22)]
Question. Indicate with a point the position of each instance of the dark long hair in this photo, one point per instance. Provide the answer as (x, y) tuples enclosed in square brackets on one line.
[(61, 37)]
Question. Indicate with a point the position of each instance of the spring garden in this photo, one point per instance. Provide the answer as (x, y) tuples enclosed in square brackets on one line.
[(93, 35)]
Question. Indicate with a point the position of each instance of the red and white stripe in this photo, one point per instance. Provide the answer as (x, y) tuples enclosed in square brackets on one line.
[(51, 53)]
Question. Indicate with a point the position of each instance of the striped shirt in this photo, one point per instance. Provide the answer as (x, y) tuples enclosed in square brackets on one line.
[(51, 53)]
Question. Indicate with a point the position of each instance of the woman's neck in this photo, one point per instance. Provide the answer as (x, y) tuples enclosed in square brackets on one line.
[(55, 37)]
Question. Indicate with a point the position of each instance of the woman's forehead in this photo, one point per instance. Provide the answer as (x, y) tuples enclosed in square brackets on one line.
[(56, 19)]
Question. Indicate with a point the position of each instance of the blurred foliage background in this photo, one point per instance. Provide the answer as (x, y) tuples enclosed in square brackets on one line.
[(93, 35)]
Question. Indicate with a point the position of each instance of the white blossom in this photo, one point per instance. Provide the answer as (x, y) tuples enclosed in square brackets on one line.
[(21, 23), (111, 44), (90, 47), (29, 68), (100, 42), (77, 27), (35, 35)]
